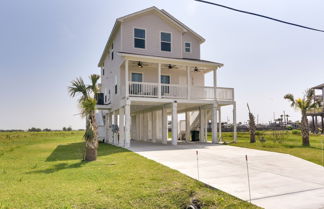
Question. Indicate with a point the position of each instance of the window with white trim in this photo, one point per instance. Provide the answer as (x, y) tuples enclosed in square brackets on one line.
[(139, 38), (165, 42), (187, 47)]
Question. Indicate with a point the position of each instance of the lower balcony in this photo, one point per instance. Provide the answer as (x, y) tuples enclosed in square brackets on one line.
[(146, 89)]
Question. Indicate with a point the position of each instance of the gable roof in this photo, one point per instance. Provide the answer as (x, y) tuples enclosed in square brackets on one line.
[(162, 13), (321, 86)]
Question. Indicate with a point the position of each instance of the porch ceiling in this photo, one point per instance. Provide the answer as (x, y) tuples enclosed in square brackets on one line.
[(203, 65)]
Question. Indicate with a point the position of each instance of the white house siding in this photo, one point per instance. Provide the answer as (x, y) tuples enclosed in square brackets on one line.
[(195, 46), (111, 71), (177, 76), (153, 25)]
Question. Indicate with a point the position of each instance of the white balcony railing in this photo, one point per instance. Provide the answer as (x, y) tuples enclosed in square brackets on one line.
[(145, 89), (174, 91)]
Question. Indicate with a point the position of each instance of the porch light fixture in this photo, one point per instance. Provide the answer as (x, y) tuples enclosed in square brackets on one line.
[(140, 64), (196, 69)]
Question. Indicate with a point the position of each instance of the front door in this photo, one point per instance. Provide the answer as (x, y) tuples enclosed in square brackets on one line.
[(136, 88), (165, 79)]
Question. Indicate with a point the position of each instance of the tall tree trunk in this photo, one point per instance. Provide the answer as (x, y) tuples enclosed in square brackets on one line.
[(252, 127), (305, 129), (91, 138)]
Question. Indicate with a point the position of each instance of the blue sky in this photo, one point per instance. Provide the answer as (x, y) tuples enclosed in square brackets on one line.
[(45, 44)]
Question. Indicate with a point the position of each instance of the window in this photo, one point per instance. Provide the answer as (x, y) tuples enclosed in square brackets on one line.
[(103, 71), (112, 51), (137, 77), (139, 38), (166, 42), (187, 47)]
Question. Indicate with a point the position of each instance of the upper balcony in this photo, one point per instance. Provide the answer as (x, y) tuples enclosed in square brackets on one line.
[(168, 78)]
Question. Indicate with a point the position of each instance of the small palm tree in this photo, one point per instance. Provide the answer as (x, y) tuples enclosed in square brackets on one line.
[(252, 127), (304, 104), (87, 102)]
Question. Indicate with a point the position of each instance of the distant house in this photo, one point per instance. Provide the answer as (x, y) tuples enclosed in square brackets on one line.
[(318, 112), (151, 69)]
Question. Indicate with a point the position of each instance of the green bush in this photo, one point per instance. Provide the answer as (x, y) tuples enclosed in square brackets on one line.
[(296, 132)]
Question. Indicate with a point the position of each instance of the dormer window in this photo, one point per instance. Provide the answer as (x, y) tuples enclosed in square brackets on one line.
[(187, 47), (139, 38), (165, 42)]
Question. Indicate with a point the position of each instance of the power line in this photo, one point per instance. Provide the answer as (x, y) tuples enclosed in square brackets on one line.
[(263, 16)]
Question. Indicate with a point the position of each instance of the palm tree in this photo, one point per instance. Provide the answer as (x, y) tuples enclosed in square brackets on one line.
[(304, 104), (252, 127), (87, 102)]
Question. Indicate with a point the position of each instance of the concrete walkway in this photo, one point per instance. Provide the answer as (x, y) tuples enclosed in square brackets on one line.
[(277, 180)]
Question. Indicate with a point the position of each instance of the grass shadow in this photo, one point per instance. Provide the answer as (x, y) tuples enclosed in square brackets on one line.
[(75, 151), (59, 166)]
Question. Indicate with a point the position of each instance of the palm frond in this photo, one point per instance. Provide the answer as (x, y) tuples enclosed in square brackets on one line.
[(93, 87), (310, 93), (291, 98), (78, 87)]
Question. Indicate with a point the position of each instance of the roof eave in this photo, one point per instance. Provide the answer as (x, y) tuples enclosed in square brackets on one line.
[(166, 60)]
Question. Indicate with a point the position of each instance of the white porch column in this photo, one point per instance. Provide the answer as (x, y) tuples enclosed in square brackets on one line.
[(128, 122), (174, 124), (164, 125), (214, 124), (154, 125), (206, 126), (145, 126), (188, 135), (108, 128), (126, 79), (219, 124), (234, 123), (121, 127), (159, 80), (141, 126), (115, 123), (215, 83), (188, 82), (149, 126), (202, 124)]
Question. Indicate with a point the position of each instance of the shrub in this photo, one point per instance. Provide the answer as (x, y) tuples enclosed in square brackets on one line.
[(296, 132)]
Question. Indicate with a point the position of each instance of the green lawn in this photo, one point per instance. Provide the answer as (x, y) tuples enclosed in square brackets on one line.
[(290, 145), (44, 170)]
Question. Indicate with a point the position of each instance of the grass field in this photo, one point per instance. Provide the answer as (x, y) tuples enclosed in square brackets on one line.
[(44, 170), (291, 144)]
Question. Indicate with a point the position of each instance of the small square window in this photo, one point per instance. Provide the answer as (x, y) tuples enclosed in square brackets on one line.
[(187, 47)]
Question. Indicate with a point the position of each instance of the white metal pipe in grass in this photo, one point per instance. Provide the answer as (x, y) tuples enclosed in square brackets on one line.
[(197, 164), (248, 176)]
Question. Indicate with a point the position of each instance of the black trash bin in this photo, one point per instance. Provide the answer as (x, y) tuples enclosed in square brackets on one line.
[(194, 135)]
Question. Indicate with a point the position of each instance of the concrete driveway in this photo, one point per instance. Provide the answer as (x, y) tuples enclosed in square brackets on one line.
[(277, 180)]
